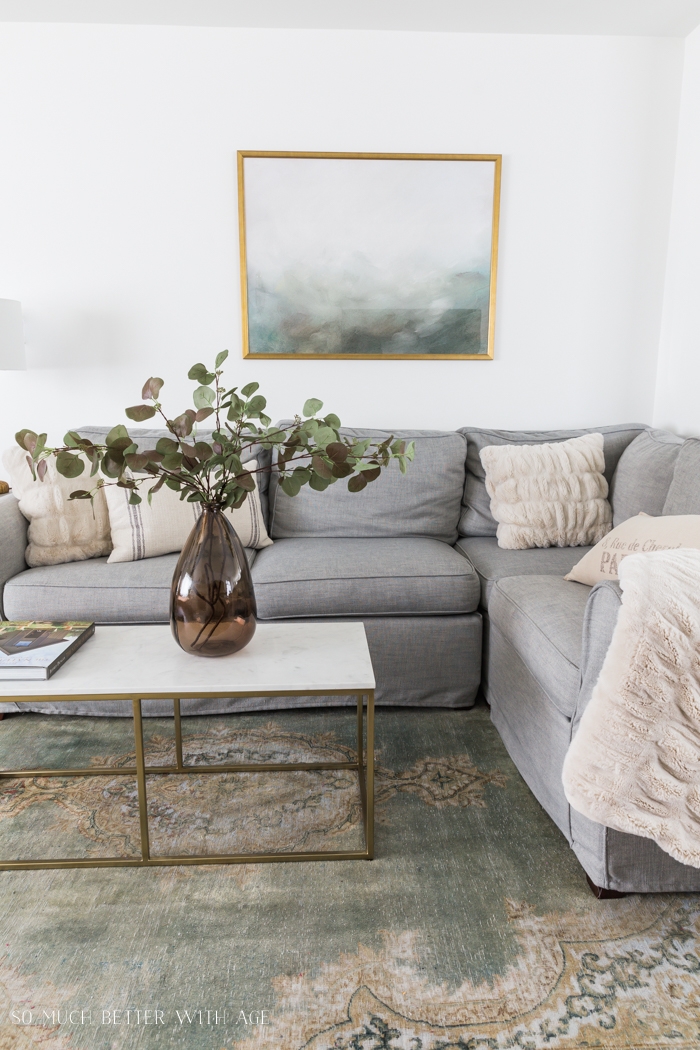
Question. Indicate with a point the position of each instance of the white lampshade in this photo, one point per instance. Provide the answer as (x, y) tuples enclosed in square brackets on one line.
[(11, 335)]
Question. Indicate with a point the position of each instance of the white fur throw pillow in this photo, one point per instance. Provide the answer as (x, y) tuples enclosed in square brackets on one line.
[(550, 495), (60, 529), (143, 531)]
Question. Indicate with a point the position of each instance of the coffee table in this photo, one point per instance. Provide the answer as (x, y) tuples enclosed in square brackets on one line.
[(144, 662)]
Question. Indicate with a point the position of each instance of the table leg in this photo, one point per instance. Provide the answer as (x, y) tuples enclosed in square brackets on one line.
[(141, 781), (370, 775), (178, 734), (360, 731)]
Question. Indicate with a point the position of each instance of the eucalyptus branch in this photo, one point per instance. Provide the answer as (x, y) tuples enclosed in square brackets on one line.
[(310, 451)]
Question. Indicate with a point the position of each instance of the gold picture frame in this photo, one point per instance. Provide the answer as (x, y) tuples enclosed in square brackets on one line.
[(290, 216)]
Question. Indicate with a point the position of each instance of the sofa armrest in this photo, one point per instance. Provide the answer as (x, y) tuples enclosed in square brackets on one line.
[(13, 540), (599, 621)]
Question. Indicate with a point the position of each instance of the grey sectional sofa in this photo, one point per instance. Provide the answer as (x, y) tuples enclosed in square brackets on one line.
[(445, 609)]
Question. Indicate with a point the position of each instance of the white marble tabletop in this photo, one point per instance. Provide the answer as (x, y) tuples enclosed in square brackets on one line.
[(146, 662)]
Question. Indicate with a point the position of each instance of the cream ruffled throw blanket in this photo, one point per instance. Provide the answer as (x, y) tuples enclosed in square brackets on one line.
[(634, 764)]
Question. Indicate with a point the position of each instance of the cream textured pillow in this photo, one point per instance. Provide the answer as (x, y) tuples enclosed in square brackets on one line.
[(550, 495), (60, 529), (637, 535), (144, 531)]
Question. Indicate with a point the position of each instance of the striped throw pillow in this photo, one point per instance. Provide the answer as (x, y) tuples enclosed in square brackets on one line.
[(146, 531)]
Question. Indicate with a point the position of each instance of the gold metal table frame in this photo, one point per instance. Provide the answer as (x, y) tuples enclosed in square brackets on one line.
[(364, 765)]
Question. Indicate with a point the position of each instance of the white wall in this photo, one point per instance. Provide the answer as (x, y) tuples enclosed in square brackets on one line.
[(678, 386), (118, 211)]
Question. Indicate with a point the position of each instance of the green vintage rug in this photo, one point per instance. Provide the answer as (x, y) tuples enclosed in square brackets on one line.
[(472, 930)]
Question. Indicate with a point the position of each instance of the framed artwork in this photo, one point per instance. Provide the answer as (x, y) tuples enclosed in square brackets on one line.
[(368, 255)]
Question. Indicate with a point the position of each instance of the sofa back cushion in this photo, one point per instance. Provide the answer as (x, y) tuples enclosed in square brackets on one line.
[(684, 492), (145, 438), (643, 475), (476, 519), (426, 501)]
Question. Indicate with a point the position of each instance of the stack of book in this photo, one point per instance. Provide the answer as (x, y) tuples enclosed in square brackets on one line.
[(32, 649)]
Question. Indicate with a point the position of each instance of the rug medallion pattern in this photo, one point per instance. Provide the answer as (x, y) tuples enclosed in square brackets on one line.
[(472, 930), (275, 812)]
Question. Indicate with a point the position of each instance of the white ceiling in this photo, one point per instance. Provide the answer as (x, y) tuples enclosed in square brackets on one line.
[(598, 17)]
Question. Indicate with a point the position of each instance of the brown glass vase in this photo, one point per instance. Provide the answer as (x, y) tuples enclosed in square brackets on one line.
[(212, 603)]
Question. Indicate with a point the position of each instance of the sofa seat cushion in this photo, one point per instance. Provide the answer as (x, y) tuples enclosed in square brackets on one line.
[(493, 563), (542, 618), (125, 592), (406, 576)]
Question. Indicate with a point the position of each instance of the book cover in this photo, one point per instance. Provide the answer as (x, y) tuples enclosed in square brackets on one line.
[(37, 648)]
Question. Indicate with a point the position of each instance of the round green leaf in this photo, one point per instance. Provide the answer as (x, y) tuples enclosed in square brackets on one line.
[(203, 397), (321, 467), (151, 388), (118, 437), (204, 451), (166, 445), (140, 412), (357, 483), (246, 481), (255, 405), (182, 425), (26, 439), (172, 461), (68, 465), (137, 461), (75, 440), (312, 406), (291, 486), (337, 452), (200, 374)]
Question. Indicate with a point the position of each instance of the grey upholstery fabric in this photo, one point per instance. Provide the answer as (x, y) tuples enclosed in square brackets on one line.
[(494, 563), (542, 618), (418, 662), (628, 863), (599, 621), (643, 475), (636, 865), (431, 661), (410, 576), (684, 491), (13, 543), (147, 438), (613, 859), (125, 592), (537, 737), (426, 501), (476, 519), (535, 733)]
